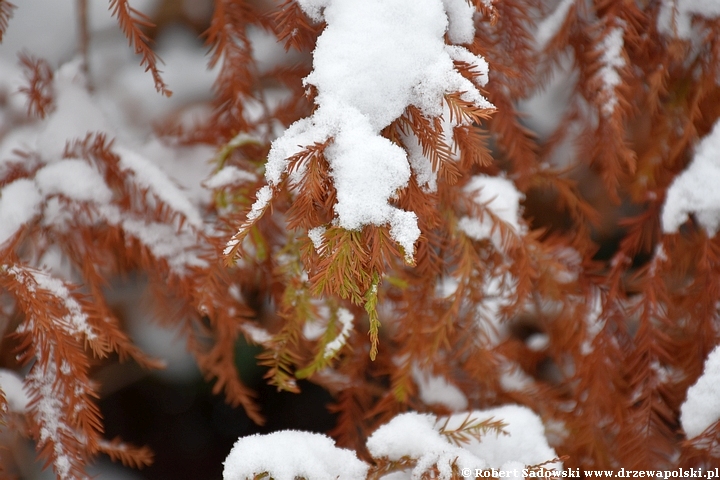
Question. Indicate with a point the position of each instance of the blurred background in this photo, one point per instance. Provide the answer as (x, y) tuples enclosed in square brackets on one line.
[(173, 411)]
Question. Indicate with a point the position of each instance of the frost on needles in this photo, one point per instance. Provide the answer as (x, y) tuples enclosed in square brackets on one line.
[(375, 59)]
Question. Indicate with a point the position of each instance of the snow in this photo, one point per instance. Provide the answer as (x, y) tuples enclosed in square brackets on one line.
[(675, 16), (612, 61), (79, 112), (75, 322), (149, 176), (500, 197), (593, 322), (545, 108), (74, 179), (163, 343), (287, 455), (317, 237), (19, 204), (48, 411), (373, 60), (701, 408), (513, 378), (345, 318), (420, 164), (550, 26), (418, 436), (76, 113), (461, 28), (525, 441), (437, 390), (229, 176), (479, 65), (179, 248), (415, 435), (499, 291), (537, 342), (11, 385), (694, 191), (256, 334), (22, 199), (262, 200)]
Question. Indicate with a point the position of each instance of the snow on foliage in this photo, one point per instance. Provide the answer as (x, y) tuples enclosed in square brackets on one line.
[(437, 390), (368, 68), (694, 191), (147, 175), (78, 113), (675, 16), (524, 441), (11, 386), (345, 317), (702, 405), (550, 26), (19, 203), (611, 49), (506, 438), (415, 435), (287, 455), (424, 438), (502, 199)]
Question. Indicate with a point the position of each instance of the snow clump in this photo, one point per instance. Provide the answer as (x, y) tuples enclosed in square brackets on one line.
[(702, 405), (374, 59), (289, 454), (419, 437), (695, 190)]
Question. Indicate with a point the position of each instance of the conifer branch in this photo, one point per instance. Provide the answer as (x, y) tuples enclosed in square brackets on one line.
[(131, 23), (6, 13), (471, 428), (39, 90)]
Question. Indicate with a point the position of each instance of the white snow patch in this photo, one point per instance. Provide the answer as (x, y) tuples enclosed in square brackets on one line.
[(262, 200), (228, 176), (257, 334), (550, 26), (19, 203), (500, 197), (75, 322), (74, 179), (593, 323), (345, 318), (179, 248), (437, 390), (461, 28), (317, 237), (701, 408), (11, 385), (612, 60), (537, 342), (479, 65), (525, 441), (679, 13), (695, 190), (513, 378), (76, 113), (147, 175), (287, 455), (415, 435), (49, 414), (498, 292)]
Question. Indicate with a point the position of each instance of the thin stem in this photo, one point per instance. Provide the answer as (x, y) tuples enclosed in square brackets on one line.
[(84, 39)]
